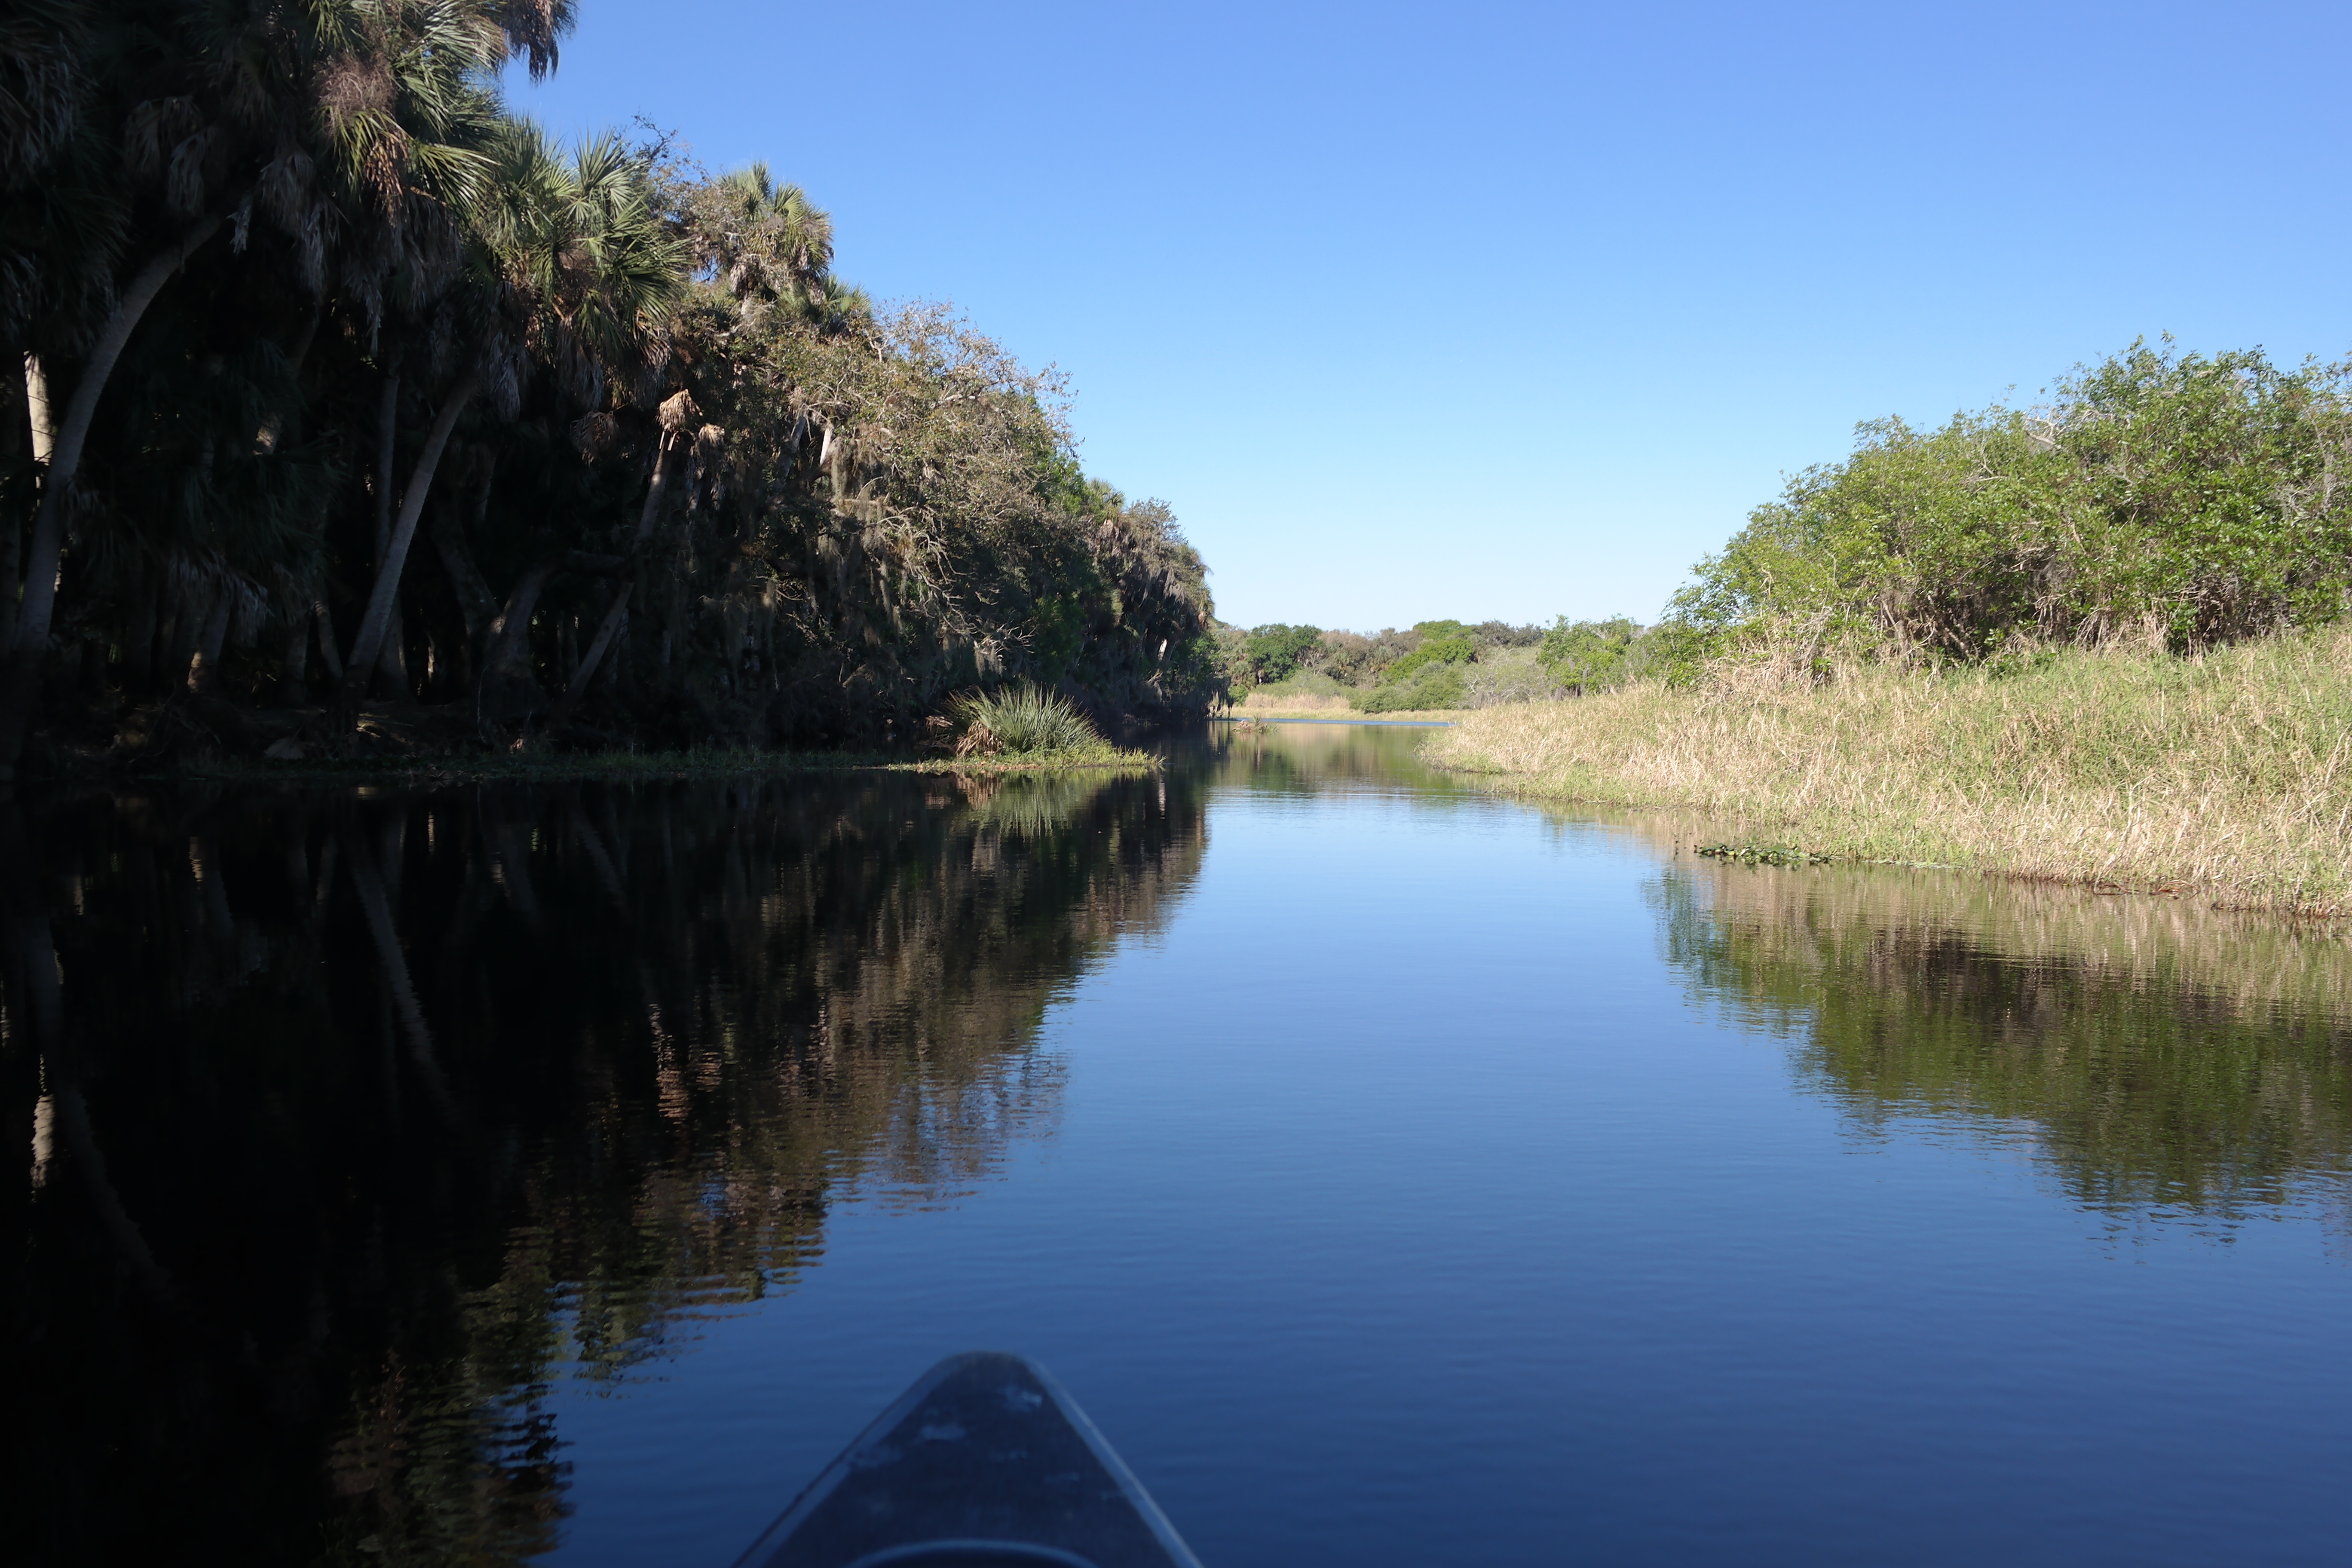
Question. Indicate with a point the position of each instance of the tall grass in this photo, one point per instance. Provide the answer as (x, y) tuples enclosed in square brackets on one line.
[(2227, 776)]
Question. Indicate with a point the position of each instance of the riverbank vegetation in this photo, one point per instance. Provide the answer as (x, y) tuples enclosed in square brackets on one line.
[(2226, 776), (2100, 640), (345, 387), (1434, 665)]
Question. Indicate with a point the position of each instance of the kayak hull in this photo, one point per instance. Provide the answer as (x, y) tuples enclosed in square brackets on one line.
[(984, 1461)]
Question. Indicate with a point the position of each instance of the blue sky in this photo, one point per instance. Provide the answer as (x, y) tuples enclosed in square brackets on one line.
[(1500, 310)]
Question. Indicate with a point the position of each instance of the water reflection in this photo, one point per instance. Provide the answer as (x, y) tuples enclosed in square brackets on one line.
[(1305, 758), (351, 1125), (2164, 1060), (355, 1120)]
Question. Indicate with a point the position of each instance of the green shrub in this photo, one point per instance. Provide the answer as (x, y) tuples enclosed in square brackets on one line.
[(1276, 652), (1439, 650), (2190, 499), (1020, 720), (1593, 656), (1438, 686)]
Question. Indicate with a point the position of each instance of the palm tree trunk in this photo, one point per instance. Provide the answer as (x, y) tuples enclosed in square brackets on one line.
[(203, 670), (613, 616), (475, 600), (294, 662), (187, 631), (367, 644), (20, 684), (507, 689), (392, 664), (12, 535)]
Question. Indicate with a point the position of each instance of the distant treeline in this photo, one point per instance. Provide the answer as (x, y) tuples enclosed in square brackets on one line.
[(1435, 664), (341, 384)]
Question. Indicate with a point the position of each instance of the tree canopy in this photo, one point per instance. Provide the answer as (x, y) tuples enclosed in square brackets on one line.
[(2190, 500), (343, 384)]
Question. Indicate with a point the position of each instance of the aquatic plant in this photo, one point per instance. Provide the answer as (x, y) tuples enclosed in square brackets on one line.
[(1020, 719)]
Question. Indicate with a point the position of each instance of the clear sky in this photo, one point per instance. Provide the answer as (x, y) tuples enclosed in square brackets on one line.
[(1500, 310)]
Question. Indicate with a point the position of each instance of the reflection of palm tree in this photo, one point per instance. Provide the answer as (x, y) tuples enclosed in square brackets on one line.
[(673, 1029), (63, 1114)]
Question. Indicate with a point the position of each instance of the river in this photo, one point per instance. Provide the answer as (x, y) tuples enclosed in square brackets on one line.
[(1397, 1175)]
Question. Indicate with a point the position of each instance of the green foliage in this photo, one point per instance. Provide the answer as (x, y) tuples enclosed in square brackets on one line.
[(1022, 720), (1592, 655), (1764, 854), (1274, 652), (1454, 646), (1435, 686), (2158, 494), (708, 493)]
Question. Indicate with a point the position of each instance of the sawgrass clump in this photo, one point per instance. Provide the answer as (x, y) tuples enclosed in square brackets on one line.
[(2227, 775), (1022, 720)]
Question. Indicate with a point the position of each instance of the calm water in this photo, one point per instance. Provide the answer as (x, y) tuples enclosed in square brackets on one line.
[(1397, 1175)]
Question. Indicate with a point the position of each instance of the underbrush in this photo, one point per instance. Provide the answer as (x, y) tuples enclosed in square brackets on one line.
[(2227, 776)]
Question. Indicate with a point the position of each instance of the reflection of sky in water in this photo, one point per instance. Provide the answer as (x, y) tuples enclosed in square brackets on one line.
[(1403, 1209), (1399, 1175)]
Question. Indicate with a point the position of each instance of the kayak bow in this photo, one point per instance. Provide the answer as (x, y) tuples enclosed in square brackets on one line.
[(985, 1460)]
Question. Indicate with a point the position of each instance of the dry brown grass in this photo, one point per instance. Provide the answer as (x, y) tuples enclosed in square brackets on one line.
[(1291, 705), (2228, 777), (1312, 705)]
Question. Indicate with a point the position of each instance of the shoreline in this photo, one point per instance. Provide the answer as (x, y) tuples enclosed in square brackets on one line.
[(2221, 778), (581, 767)]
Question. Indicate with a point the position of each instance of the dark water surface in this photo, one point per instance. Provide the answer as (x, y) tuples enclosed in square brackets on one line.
[(1397, 1175)]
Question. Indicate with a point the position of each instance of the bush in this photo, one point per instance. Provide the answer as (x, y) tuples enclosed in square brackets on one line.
[(1457, 648), (1019, 720), (1593, 656), (2157, 495), (1441, 686), (1347, 658)]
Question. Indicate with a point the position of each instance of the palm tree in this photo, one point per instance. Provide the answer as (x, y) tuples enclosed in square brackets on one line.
[(253, 99), (572, 269)]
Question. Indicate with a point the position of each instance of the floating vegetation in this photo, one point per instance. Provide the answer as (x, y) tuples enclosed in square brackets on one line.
[(1764, 854)]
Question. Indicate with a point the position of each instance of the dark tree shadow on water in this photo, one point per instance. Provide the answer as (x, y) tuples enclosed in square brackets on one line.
[(354, 1121)]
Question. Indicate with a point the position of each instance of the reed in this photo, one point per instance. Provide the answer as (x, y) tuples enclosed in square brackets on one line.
[(2222, 776)]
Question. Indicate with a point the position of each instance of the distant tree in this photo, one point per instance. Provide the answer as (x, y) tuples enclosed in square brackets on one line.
[(1276, 652), (1591, 656), (1442, 643)]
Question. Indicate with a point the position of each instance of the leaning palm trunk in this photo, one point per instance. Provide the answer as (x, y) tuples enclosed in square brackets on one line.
[(367, 643), (20, 685), (392, 664), (508, 691), (611, 626), (204, 668)]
